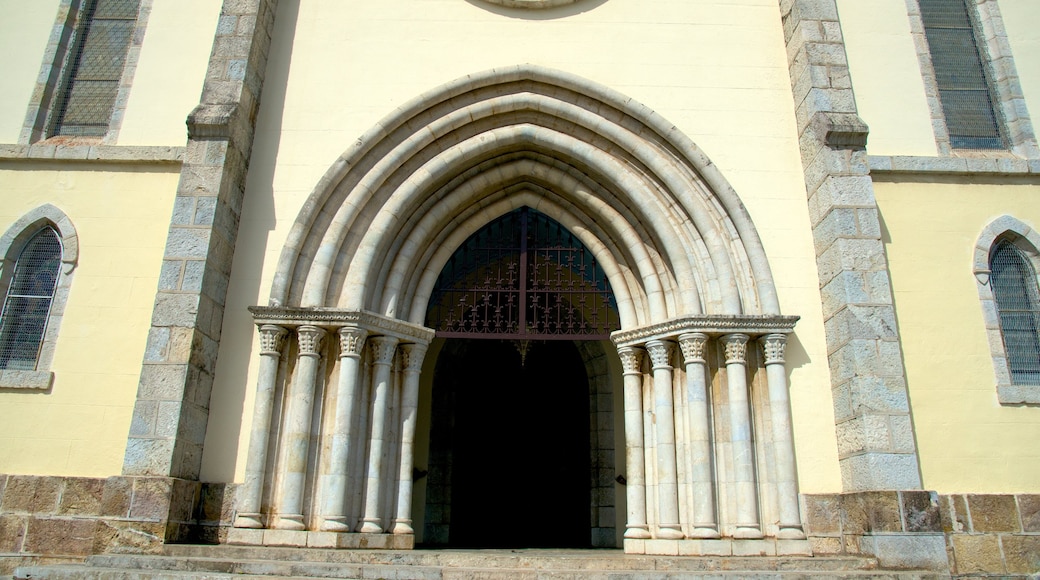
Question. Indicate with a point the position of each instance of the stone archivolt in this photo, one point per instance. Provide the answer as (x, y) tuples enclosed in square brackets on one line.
[(684, 261)]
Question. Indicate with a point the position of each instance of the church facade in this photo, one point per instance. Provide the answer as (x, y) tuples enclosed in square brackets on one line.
[(707, 277)]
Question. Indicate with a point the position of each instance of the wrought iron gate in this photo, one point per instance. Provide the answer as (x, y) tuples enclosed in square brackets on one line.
[(523, 276)]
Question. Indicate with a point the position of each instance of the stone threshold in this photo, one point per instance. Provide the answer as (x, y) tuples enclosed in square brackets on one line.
[(307, 539), (720, 547)]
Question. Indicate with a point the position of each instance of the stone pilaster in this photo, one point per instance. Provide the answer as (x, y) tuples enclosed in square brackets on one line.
[(383, 349), (412, 356), (773, 346), (172, 409), (664, 416), (699, 446), (635, 488), (871, 408), (744, 482)]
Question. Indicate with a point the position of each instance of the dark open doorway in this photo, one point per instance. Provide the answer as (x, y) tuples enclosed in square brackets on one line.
[(510, 447)]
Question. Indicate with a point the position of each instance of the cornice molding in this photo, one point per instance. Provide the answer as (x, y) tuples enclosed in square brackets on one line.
[(334, 318), (712, 325)]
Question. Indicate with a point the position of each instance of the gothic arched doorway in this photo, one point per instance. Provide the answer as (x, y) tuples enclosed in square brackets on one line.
[(514, 413)]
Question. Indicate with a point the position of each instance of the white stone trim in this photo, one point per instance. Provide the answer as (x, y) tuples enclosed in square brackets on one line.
[(1002, 76), (11, 244), (1028, 240), (53, 73)]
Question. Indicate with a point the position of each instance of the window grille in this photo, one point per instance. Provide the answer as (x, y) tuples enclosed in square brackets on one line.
[(28, 302), (1015, 289), (960, 72), (84, 106)]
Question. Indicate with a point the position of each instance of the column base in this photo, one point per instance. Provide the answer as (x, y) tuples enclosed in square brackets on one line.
[(748, 533), (335, 524), (402, 527), (371, 527), (637, 533), (250, 521), (704, 533), (292, 522), (672, 532), (790, 533)]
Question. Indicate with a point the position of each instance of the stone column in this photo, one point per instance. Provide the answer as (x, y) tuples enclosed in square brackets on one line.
[(783, 440), (667, 485), (635, 490), (334, 507), (740, 437), (383, 348), (297, 430), (272, 340), (412, 355), (698, 447)]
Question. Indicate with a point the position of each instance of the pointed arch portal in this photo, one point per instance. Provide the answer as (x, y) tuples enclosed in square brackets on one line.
[(671, 240)]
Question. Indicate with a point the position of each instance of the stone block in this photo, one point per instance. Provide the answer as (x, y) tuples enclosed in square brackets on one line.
[(323, 540), (920, 511), (822, 514), (30, 494), (374, 541), (661, 547), (794, 548), (113, 536), (822, 545), (754, 548), (148, 457), (402, 542), (1029, 511), (908, 551), (12, 533), (60, 536), (291, 538), (115, 497), (245, 537), (635, 546), (705, 548), (216, 503), (1021, 554), (880, 471), (151, 499), (977, 554), (871, 512), (993, 513), (82, 496)]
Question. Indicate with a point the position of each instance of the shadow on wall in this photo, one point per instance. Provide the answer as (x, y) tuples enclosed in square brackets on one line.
[(555, 13)]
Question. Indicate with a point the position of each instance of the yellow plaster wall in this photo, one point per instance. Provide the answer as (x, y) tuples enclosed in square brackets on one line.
[(968, 442), (886, 77), (25, 27), (715, 68), (168, 79), (1020, 19), (121, 215)]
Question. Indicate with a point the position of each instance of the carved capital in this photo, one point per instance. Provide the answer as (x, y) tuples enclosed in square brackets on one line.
[(412, 355), (692, 346), (631, 359), (351, 341), (660, 353), (773, 346), (310, 339), (272, 340), (736, 348), (383, 348)]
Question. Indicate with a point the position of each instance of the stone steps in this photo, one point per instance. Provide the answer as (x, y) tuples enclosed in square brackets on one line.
[(219, 562)]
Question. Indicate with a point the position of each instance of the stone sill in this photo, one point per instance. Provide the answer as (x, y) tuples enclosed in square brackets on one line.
[(26, 380), (93, 153), (1018, 394), (999, 166)]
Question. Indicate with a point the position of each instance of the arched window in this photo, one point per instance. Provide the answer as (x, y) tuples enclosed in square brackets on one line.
[(1006, 262), (39, 253), (1015, 290), (27, 305)]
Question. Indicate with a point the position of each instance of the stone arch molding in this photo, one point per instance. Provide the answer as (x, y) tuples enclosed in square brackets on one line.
[(684, 260)]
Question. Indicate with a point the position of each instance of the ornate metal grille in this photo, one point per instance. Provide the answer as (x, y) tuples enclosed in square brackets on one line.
[(1015, 289), (28, 302), (523, 276)]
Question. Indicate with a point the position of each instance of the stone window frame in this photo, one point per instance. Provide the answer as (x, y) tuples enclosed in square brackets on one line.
[(1002, 75), (11, 244), (1027, 240), (39, 119)]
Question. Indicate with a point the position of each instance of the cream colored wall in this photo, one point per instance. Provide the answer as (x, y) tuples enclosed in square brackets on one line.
[(25, 27), (715, 68), (967, 441), (886, 77), (121, 215), (169, 77), (1020, 19)]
